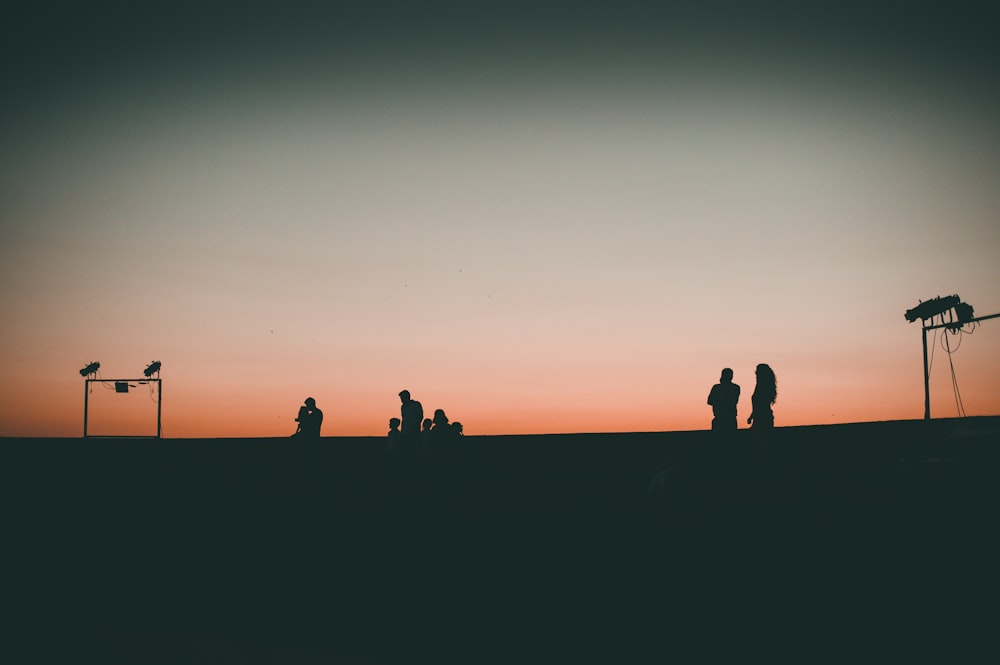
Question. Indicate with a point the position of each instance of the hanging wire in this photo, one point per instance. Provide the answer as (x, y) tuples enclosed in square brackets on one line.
[(104, 382), (972, 328), (954, 380), (946, 345), (930, 366)]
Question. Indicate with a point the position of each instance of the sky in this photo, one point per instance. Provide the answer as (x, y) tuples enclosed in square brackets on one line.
[(539, 217)]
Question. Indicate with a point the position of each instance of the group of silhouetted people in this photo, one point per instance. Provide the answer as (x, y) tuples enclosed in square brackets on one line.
[(725, 395), (411, 436)]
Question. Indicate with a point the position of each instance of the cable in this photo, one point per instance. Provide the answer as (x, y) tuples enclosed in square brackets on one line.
[(972, 328), (954, 382), (944, 341), (930, 365)]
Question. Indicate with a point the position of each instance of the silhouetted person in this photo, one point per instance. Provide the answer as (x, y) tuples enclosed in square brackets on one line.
[(301, 418), (442, 434), (457, 429), (411, 413), (309, 426), (425, 435), (440, 422), (723, 398), (764, 395), (395, 437)]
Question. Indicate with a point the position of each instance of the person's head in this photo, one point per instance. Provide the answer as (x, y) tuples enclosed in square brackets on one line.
[(310, 403), (439, 417), (427, 423), (404, 396), (394, 423), (457, 426), (727, 376)]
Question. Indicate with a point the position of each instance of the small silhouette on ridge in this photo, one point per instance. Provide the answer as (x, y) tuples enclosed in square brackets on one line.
[(723, 399), (395, 437), (411, 415), (764, 395), (310, 420), (301, 418)]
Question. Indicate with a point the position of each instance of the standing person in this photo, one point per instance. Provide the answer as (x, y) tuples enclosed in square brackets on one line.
[(310, 426), (764, 395), (723, 399), (412, 413)]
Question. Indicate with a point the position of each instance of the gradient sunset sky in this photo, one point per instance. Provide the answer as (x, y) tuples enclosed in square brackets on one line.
[(540, 217)]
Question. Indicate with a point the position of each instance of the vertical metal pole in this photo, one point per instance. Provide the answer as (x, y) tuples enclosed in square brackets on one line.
[(86, 404), (927, 379), (159, 406)]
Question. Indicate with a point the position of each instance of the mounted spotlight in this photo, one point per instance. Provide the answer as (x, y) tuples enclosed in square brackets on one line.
[(928, 309), (963, 311), (152, 369), (90, 369)]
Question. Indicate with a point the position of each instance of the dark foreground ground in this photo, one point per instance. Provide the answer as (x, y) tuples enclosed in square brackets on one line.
[(871, 542)]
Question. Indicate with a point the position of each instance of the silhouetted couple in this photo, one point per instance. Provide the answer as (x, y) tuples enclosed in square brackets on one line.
[(310, 420), (725, 395)]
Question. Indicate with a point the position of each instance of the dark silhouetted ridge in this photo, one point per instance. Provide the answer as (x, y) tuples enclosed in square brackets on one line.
[(813, 541)]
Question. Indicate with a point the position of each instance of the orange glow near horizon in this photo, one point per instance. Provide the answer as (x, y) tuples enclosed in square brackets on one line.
[(583, 400)]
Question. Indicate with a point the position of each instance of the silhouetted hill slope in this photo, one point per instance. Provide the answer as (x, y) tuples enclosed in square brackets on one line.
[(815, 541)]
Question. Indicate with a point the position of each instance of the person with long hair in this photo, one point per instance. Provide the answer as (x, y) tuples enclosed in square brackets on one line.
[(764, 395)]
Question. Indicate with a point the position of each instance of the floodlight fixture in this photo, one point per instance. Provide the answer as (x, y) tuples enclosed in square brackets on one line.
[(152, 368), (928, 309), (964, 312), (90, 369)]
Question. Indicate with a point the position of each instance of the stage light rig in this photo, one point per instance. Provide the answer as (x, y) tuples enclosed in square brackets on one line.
[(951, 314)]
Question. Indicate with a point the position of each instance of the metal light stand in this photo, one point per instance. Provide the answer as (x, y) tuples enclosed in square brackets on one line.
[(159, 400), (954, 325)]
